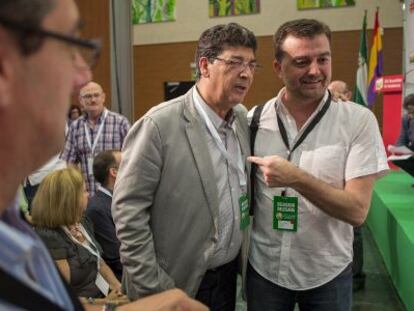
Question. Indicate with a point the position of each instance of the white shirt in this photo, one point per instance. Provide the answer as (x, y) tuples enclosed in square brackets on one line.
[(345, 144), (228, 184)]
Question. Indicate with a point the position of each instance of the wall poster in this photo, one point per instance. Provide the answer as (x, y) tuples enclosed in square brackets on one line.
[(318, 4), (233, 7), (152, 11)]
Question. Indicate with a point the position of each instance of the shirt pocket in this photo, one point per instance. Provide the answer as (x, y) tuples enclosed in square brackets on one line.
[(326, 163)]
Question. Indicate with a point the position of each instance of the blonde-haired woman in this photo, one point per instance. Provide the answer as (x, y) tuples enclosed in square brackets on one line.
[(57, 215)]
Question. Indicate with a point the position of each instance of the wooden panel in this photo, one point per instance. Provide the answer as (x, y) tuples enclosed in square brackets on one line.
[(155, 64), (95, 14)]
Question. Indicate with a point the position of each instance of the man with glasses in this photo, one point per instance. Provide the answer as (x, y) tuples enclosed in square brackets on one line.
[(105, 170), (98, 130), (41, 64), (180, 200)]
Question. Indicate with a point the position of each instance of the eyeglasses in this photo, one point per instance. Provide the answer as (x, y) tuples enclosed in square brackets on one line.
[(239, 65), (89, 96), (85, 54)]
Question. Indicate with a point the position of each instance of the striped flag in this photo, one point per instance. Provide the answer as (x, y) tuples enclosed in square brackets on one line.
[(375, 61), (360, 91)]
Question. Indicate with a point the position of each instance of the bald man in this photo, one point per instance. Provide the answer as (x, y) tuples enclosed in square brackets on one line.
[(340, 90), (98, 130)]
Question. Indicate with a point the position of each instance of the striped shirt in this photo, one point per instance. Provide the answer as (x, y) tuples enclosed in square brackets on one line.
[(78, 150)]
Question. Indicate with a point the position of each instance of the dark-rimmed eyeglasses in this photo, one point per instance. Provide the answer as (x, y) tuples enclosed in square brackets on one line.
[(239, 65), (85, 54)]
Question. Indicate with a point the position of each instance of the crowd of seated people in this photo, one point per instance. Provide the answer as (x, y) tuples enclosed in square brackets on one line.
[(58, 218)]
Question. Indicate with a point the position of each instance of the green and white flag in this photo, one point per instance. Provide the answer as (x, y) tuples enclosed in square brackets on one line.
[(360, 91)]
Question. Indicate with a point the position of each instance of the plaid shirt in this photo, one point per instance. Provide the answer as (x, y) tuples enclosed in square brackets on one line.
[(77, 149)]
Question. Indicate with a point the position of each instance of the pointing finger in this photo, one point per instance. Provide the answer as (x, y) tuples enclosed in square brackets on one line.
[(257, 160)]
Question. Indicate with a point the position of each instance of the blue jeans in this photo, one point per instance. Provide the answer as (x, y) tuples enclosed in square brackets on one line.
[(263, 295), (218, 287)]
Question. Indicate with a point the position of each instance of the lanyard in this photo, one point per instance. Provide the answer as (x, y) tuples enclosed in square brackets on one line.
[(239, 166), (94, 251), (91, 145), (305, 133)]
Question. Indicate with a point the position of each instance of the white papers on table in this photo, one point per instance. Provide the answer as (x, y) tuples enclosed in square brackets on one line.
[(399, 153), (399, 149), (395, 157)]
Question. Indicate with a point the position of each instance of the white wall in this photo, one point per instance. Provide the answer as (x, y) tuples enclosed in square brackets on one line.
[(192, 18)]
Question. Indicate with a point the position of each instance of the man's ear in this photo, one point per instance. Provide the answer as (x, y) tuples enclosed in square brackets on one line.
[(203, 65), (7, 52), (277, 68), (113, 172), (349, 95)]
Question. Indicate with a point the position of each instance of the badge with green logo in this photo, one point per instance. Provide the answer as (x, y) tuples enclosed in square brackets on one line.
[(285, 213), (244, 211)]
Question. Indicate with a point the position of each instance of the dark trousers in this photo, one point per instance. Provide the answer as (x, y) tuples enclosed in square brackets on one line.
[(407, 165), (218, 288), (358, 260), (263, 295)]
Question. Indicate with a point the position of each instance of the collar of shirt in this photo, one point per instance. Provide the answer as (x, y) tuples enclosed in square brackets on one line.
[(105, 191), (212, 115), (281, 108), (100, 119), (287, 118)]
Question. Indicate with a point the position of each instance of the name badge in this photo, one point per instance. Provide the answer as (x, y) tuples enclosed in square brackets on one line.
[(285, 213), (244, 211), (102, 284), (90, 165)]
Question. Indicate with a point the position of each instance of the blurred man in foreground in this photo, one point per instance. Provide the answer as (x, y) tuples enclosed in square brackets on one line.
[(41, 64)]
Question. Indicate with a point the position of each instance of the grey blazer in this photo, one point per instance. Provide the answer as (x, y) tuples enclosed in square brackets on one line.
[(165, 203)]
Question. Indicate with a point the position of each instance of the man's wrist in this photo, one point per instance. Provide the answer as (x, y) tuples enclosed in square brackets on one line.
[(300, 178)]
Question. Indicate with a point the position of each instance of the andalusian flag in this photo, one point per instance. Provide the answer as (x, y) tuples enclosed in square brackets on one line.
[(375, 61), (360, 91)]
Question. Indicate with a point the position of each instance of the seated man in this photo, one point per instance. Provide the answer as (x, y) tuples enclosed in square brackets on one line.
[(407, 126), (407, 135), (105, 167)]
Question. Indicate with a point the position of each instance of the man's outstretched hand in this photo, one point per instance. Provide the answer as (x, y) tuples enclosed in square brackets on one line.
[(277, 172)]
